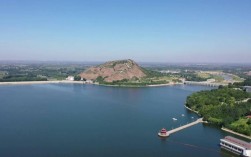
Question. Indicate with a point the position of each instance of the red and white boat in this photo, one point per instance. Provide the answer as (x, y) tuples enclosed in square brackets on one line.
[(163, 133)]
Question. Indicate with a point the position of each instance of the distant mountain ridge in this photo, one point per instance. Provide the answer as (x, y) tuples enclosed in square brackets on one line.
[(114, 71)]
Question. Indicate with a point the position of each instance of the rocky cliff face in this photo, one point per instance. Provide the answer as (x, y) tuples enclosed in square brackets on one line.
[(114, 70)]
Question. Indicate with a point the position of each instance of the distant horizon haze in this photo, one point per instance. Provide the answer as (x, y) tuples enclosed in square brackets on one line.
[(103, 61), (157, 59), (161, 31)]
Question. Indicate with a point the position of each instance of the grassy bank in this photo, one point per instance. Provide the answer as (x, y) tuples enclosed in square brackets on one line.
[(224, 107)]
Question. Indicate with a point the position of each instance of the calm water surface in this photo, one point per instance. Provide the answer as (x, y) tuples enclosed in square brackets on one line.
[(94, 121)]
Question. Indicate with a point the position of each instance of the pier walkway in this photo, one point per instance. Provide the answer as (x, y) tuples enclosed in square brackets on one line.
[(186, 126)]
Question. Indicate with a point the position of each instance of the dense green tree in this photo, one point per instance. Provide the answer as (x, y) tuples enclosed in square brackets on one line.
[(100, 79), (223, 107), (220, 87), (77, 78), (249, 121)]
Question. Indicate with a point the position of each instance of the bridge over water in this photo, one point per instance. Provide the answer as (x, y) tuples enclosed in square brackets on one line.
[(186, 126), (204, 83)]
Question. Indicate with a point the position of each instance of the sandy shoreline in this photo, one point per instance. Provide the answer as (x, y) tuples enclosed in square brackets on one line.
[(77, 82), (39, 82)]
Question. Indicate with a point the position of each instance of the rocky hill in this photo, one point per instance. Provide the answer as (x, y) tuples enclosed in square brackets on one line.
[(114, 70)]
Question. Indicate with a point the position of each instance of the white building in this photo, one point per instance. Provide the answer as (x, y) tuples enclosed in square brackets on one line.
[(70, 78), (89, 81), (210, 80)]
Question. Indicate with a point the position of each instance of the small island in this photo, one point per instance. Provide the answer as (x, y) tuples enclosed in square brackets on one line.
[(228, 107)]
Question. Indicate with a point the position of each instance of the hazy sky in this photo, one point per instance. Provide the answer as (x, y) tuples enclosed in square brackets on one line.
[(143, 30)]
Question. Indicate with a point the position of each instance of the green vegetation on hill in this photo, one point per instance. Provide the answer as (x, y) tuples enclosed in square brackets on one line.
[(224, 107), (151, 78), (133, 82), (126, 82)]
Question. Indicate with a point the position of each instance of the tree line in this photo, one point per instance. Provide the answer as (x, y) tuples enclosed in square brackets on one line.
[(223, 107)]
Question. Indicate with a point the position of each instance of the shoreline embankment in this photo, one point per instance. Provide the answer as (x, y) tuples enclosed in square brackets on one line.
[(81, 82), (223, 128), (39, 82), (192, 110), (78, 82), (235, 133), (139, 86)]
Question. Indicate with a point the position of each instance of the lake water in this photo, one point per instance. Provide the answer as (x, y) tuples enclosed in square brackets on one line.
[(68, 120)]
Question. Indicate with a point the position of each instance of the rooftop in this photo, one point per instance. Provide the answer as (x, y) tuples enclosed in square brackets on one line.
[(238, 142)]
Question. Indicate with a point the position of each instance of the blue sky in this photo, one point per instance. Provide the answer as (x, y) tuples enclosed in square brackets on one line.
[(143, 30)]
